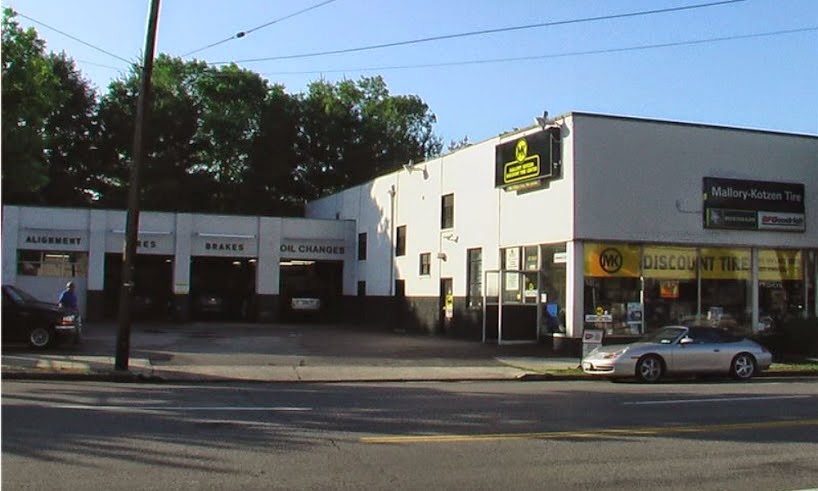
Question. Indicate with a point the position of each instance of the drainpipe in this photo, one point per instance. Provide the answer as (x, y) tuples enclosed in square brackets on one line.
[(392, 198)]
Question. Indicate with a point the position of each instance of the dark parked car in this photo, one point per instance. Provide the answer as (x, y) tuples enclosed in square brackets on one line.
[(40, 324), (210, 303)]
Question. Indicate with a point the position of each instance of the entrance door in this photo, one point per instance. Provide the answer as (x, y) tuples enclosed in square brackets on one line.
[(446, 304)]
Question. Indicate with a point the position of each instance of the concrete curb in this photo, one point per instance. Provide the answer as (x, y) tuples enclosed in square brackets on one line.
[(164, 376)]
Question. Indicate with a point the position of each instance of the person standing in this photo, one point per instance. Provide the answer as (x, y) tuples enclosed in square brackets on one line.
[(68, 301)]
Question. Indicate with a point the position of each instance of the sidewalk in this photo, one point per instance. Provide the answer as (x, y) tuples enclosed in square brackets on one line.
[(284, 353), (218, 351)]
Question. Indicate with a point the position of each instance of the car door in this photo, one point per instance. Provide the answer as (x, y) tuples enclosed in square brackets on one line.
[(12, 324), (699, 351)]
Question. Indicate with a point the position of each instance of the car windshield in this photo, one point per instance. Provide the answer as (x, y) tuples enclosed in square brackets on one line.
[(665, 335), (19, 296)]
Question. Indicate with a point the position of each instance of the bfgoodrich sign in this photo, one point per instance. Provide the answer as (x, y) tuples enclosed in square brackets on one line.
[(753, 205)]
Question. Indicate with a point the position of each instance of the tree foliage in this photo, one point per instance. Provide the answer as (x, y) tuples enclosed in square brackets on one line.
[(217, 139)]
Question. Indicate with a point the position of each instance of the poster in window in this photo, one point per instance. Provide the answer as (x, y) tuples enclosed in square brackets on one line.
[(669, 289)]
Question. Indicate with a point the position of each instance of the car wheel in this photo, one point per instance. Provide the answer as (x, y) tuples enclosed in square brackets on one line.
[(650, 368), (40, 337), (743, 366)]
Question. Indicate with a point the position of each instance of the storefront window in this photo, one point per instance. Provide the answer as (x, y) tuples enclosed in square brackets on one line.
[(511, 282), (613, 288), (670, 282), (552, 288), (781, 286), (812, 283), (52, 263), (725, 289)]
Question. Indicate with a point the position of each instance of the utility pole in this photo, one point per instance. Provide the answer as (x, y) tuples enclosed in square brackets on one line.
[(123, 338)]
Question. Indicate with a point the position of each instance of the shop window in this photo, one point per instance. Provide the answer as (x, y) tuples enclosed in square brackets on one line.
[(447, 211), (426, 264), (52, 263), (474, 278), (725, 289), (511, 282), (362, 288), (811, 271), (553, 287), (362, 246), (400, 241), (612, 288), (670, 284), (781, 287)]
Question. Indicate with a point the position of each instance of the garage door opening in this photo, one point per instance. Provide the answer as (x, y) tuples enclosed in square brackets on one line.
[(311, 290), (222, 288), (153, 286)]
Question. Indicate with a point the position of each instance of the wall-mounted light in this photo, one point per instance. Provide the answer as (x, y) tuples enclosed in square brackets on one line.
[(543, 121), (411, 167), (451, 237), (441, 256)]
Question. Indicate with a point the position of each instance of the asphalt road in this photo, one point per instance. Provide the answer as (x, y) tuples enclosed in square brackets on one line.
[(501, 435)]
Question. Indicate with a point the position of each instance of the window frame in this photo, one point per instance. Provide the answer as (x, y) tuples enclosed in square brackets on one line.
[(425, 267), (474, 279), (400, 241), (362, 246), (447, 211)]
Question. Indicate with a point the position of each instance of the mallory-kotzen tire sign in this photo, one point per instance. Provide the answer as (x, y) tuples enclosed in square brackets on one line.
[(753, 205)]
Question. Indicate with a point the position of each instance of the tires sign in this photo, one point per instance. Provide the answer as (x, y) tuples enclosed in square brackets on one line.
[(753, 205)]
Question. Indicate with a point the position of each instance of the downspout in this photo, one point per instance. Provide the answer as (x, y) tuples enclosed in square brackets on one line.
[(392, 198)]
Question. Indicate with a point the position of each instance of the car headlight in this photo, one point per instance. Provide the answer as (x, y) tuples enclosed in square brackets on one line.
[(614, 354)]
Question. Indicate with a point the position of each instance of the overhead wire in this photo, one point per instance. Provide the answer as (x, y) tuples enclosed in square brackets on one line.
[(554, 55), (482, 32), (129, 62), (242, 34)]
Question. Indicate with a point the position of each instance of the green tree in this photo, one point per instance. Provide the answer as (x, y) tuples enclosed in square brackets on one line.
[(173, 176), (48, 122), (70, 138), (28, 87), (354, 131)]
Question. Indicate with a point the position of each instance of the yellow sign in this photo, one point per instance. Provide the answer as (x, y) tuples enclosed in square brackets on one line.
[(725, 264), (612, 260), (672, 263), (523, 167), (779, 265)]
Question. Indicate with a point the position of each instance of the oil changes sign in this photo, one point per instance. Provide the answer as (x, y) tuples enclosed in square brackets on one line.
[(526, 160), (753, 205)]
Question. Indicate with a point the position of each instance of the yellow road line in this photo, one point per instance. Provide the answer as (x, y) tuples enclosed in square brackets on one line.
[(601, 433)]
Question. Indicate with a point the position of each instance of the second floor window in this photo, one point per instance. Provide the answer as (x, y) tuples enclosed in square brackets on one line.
[(400, 241), (447, 211), (362, 246), (426, 264)]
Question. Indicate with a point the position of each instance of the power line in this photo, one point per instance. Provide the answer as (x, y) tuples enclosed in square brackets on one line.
[(483, 32), (554, 55), (241, 34), (74, 38)]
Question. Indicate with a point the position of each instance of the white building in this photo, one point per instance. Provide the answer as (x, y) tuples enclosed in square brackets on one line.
[(239, 267), (595, 221)]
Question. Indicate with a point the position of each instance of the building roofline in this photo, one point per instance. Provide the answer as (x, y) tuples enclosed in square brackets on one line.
[(689, 124)]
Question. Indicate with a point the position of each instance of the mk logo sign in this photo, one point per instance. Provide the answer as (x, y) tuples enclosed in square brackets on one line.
[(610, 260)]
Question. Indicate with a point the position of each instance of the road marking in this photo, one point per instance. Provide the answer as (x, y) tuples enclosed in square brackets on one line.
[(714, 399), (600, 433), (89, 407)]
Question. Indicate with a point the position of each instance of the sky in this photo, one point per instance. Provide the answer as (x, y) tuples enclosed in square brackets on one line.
[(729, 64)]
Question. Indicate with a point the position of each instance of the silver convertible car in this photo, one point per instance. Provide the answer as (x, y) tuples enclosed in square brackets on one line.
[(679, 350)]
